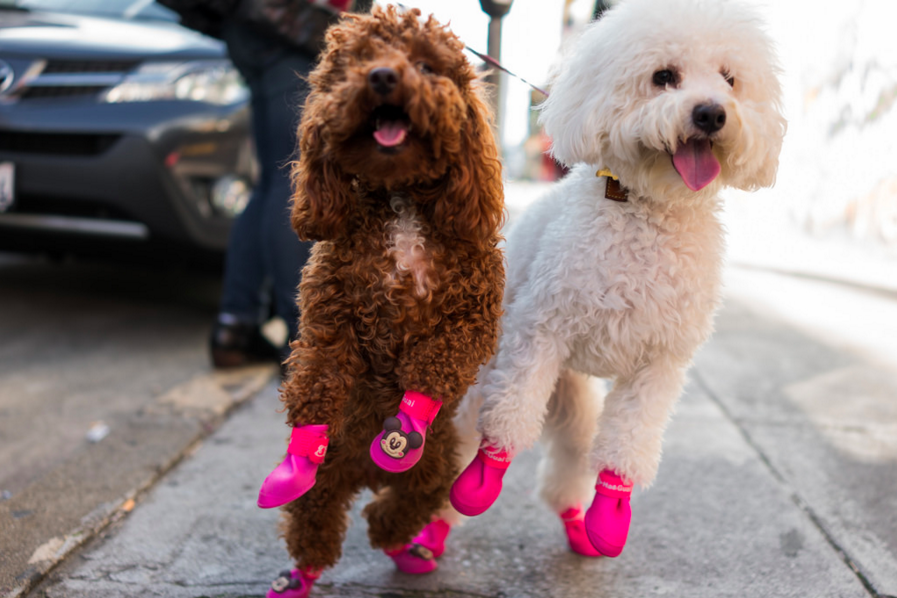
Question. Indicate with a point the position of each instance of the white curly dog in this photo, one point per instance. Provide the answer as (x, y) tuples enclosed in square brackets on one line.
[(615, 274)]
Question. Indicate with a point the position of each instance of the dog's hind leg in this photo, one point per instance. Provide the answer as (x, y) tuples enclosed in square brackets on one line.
[(566, 478), (565, 473)]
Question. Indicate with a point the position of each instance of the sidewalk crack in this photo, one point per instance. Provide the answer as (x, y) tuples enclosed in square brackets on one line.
[(792, 493)]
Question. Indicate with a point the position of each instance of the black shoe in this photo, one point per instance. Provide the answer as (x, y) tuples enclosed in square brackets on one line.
[(235, 345)]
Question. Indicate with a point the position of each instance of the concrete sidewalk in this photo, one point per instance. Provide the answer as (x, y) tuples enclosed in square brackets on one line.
[(779, 479)]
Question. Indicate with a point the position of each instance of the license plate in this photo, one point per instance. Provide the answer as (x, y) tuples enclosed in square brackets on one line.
[(7, 185)]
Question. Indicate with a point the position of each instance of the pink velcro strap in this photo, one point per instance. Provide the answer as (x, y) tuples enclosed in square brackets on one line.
[(311, 573), (493, 457), (612, 485), (420, 406), (572, 514), (308, 443)]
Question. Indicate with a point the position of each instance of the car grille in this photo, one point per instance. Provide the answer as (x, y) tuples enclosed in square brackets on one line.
[(69, 144), (88, 66), (68, 79), (60, 91)]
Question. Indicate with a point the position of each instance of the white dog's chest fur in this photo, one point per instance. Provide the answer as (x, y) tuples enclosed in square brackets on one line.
[(662, 302), (625, 285), (406, 245)]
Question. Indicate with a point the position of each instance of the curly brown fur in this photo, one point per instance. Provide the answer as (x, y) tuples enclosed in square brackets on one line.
[(403, 289)]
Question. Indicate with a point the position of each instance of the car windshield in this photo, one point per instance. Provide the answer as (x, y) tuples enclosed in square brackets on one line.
[(126, 9)]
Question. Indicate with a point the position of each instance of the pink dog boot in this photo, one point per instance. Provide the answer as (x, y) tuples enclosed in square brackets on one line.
[(413, 559), (293, 584), (575, 528), (607, 520), (433, 536), (480, 484), (296, 473), (418, 556), (400, 445)]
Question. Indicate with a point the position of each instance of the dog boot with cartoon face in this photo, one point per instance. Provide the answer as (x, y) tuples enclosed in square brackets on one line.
[(401, 443), (296, 473), (293, 584), (480, 484), (419, 556), (575, 528), (607, 520)]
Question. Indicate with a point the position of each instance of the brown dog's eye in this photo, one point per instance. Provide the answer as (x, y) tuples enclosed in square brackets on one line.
[(665, 77), (425, 68), (729, 78)]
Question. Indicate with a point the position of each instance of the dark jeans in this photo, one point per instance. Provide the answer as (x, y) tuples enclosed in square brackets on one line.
[(265, 257)]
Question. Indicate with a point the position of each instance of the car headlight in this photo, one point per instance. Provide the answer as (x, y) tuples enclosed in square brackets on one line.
[(212, 81)]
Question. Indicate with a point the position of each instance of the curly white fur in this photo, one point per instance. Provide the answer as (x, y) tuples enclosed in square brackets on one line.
[(624, 291)]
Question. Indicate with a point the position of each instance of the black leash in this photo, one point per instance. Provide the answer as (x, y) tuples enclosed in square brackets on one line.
[(493, 62)]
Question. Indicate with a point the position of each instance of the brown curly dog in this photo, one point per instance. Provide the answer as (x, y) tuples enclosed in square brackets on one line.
[(399, 181)]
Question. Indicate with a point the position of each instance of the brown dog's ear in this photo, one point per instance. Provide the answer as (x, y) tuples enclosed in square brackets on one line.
[(473, 202), (321, 192)]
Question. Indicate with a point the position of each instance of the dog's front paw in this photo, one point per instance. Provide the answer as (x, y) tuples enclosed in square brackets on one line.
[(296, 474), (395, 442), (478, 486), (400, 445)]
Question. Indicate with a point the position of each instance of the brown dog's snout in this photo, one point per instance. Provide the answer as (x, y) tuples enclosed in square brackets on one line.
[(383, 80), (710, 118)]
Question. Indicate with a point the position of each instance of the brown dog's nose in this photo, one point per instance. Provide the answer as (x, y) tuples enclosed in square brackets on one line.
[(383, 80), (710, 118)]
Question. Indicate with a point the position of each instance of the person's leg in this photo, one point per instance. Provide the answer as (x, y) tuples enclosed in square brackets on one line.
[(284, 253), (244, 267), (236, 337)]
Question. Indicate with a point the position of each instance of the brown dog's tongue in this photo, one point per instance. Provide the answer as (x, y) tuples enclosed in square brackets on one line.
[(390, 133), (696, 164)]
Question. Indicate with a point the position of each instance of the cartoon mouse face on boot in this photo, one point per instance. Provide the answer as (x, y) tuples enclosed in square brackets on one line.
[(395, 441)]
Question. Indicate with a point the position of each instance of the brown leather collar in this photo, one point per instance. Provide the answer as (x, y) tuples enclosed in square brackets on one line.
[(613, 190), (616, 191)]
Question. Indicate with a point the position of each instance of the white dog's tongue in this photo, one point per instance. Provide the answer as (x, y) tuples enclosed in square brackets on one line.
[(696, 164), (390, 133)]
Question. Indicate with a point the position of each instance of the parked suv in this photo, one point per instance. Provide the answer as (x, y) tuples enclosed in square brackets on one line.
[(121, 132)]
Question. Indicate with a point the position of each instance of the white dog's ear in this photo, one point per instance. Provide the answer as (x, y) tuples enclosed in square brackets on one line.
[(754, 163), (565, 116), (769, 165), (576, 114)]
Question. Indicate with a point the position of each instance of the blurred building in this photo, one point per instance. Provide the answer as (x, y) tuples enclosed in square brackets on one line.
[(840, 160)]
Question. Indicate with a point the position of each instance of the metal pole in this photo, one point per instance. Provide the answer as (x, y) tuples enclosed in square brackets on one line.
[(495, 78), (496, 9)]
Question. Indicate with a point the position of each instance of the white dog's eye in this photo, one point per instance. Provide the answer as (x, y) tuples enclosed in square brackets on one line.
[(729, 78), (665, 77)]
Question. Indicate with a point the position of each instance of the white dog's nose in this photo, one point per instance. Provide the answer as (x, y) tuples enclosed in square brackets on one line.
[(710, 118)]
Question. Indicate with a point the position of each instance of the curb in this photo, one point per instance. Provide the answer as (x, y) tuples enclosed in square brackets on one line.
[(186, 415)]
